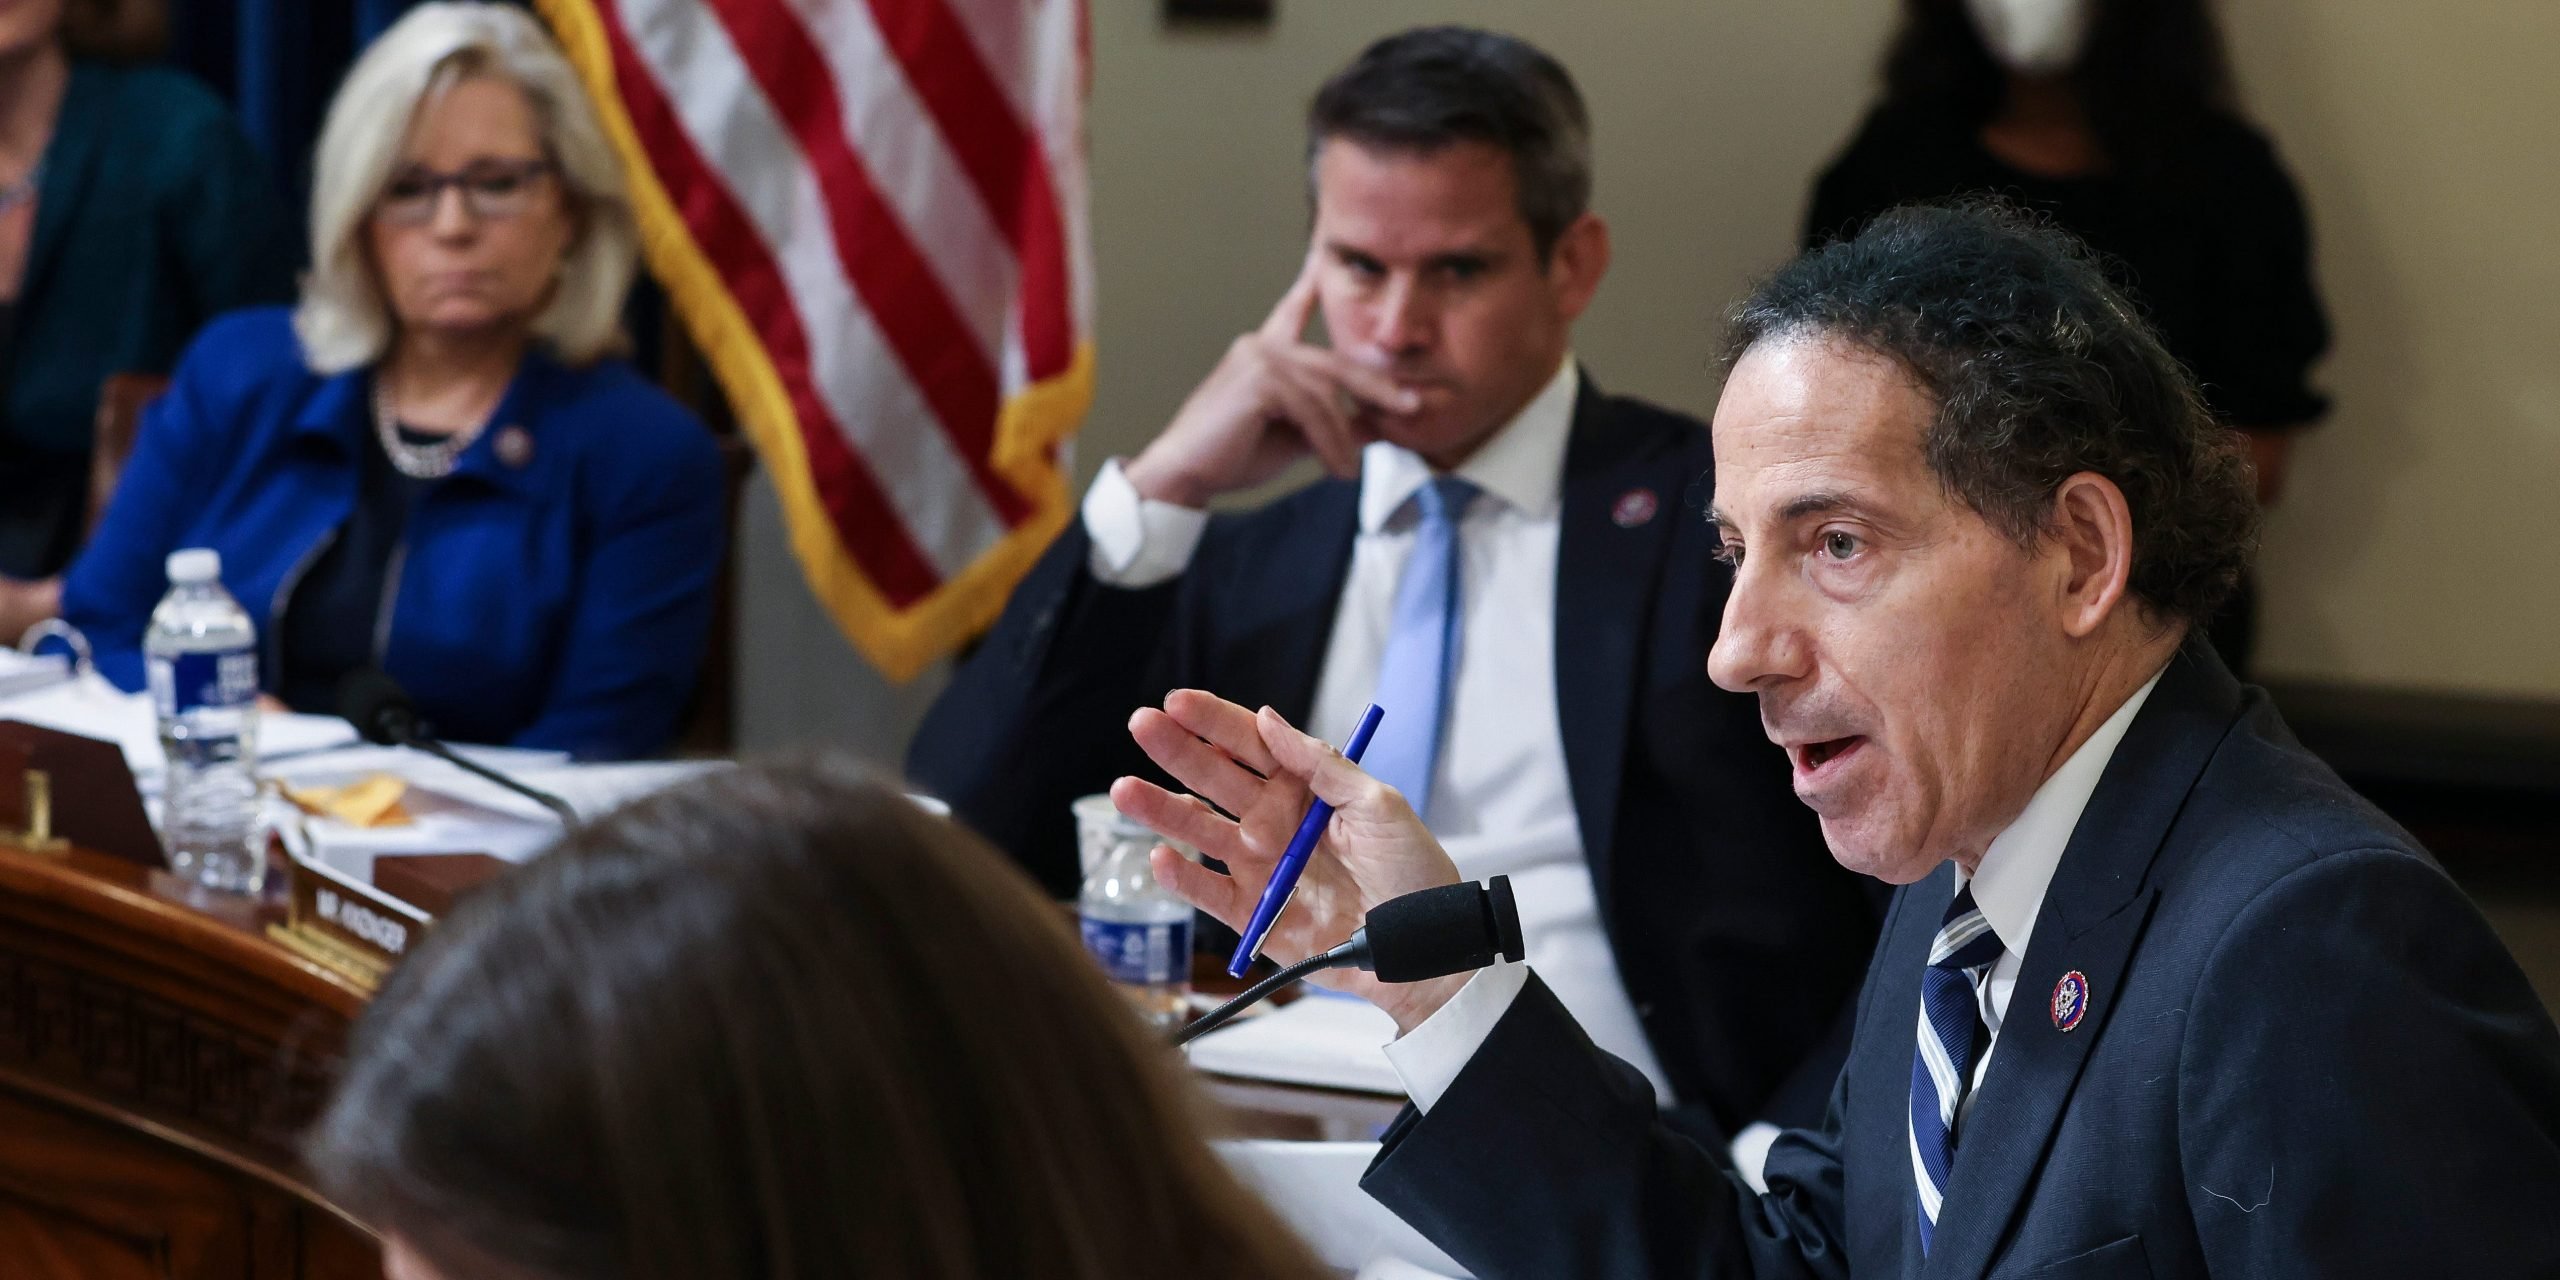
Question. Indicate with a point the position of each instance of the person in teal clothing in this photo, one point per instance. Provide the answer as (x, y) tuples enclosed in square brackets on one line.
[(132, 210)]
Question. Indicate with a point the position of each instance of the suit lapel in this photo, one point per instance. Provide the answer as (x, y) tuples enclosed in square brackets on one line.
[(1284, 624), (1883, 1201), (1608, 562), (2033, 1071), (2093, 917)]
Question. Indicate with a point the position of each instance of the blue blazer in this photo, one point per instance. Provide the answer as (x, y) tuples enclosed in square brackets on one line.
[(2303, 1055), (1738, 939), (554, 596)]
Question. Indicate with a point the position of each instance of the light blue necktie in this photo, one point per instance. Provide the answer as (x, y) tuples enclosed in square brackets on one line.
[(1422, 648), (1951, 1044)]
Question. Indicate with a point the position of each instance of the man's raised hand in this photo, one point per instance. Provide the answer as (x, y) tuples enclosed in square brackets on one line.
[(1273, 399), (1260, 769)]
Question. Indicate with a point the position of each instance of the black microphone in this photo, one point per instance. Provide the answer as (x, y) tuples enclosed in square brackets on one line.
[(1430, 933), (384, 714)]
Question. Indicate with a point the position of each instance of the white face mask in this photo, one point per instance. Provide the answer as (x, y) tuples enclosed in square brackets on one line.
[(2033, 37)]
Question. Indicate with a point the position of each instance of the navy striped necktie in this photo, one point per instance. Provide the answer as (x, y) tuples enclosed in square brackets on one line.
[(1952, 1041)]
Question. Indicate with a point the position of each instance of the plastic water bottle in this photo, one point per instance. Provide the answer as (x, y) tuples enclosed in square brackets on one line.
[(201, 658), (1140, 934)]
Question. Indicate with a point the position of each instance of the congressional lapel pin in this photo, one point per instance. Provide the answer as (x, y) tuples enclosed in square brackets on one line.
[(2070, 1000), (1635, 507), (514, 446)]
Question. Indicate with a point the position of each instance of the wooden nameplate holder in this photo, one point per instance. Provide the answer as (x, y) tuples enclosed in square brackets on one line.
[(59, 789), (363, 930)]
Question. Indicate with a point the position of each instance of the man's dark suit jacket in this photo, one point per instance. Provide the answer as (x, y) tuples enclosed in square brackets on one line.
[(2303, 1054), (1739, 940)]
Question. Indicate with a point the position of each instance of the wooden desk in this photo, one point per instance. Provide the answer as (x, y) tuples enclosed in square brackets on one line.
[(158, 1058)]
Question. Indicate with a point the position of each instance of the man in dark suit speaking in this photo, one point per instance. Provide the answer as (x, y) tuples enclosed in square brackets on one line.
[(2160, 996), (1509, 560)]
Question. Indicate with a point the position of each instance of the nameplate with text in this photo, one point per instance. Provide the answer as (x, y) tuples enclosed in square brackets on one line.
[(347, 924)]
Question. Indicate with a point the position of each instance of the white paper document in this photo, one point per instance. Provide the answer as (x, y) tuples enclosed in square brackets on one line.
[(1331, 1042), (93, 708), (21, 672), (453, 810), (1315, 1187)]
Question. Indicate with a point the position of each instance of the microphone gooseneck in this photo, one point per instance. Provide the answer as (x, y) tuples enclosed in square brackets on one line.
[(1431, 933), (1255, 994), (384, 714)]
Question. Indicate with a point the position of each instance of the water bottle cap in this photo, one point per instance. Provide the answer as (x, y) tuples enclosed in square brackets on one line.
[(195, 564)]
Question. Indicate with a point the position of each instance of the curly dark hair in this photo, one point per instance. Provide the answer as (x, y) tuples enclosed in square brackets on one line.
[(2151, 70), (1425, 89), (2041, 370)]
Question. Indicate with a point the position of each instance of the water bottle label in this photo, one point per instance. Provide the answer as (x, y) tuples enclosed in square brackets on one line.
[(1141, 954), (190, 681)]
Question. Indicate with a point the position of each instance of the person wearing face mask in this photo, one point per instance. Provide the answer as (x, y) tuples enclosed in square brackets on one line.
[(2117, 119), (1506, 558), (132, 210), (435, 464)]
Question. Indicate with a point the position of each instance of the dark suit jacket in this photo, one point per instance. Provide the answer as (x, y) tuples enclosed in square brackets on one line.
[(1739, 941), (2304, 1054)]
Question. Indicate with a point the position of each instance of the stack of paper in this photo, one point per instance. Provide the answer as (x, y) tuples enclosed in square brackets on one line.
[(21, 673), (93, 708), (1328, 1041), (594, 789), (450, 810), (453, 810), (1315, 1187)]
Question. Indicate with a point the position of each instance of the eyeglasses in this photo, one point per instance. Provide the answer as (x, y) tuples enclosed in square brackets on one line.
[(491, 189)]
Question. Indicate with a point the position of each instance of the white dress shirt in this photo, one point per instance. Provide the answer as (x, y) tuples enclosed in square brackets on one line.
[(1501, 802), (2009, 885), (2010, 882)]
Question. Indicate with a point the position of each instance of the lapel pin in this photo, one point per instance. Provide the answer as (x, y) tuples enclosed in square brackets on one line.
[(2070, 1000), (514, 446), (1635, 507)]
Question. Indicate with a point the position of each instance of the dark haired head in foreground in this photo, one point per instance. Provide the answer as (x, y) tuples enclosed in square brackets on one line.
[(776, 1023)]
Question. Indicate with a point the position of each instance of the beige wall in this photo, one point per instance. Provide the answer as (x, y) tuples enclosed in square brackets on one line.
[(1708, 119), (2423, 135), (2410, 552)]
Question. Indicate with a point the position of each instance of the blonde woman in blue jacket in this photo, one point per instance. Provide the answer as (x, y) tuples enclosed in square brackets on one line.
[(435, 464)]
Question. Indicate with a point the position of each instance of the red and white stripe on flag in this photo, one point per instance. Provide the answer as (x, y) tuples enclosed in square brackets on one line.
[(870, 215)]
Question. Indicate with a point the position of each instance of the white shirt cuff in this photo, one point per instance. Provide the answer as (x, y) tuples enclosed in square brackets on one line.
[(1429, 1057), (1137, 542), (1751, 1153)]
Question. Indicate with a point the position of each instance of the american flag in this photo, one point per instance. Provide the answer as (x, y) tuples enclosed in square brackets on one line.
[(870, 215)]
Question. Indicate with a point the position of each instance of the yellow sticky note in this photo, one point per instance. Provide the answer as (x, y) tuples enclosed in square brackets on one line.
[(370, 801)]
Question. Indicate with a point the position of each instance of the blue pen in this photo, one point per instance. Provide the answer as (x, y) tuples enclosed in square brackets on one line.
[(1293, 860)]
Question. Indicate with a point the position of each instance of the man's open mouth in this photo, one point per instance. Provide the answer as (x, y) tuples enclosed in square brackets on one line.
[(1812, 756)]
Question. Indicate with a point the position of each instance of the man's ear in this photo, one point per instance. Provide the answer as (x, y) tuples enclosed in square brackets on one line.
[(1575, 265), (2093, 527)]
